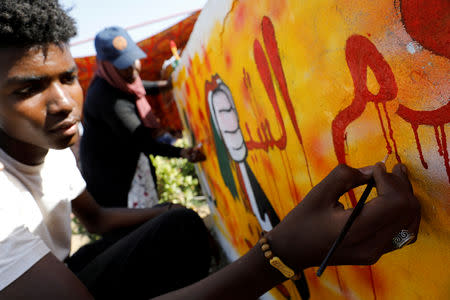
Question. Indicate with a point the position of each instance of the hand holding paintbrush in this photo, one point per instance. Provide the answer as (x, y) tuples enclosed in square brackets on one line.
[(306, 234), (355, 213)]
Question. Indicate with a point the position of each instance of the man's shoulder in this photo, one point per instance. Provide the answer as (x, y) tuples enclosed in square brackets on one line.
[(10, 186)]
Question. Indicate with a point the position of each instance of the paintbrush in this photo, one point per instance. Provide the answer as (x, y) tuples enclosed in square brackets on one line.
[(355, 213)]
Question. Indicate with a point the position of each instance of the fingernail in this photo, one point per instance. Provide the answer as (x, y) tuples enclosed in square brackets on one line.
[(366, 170)]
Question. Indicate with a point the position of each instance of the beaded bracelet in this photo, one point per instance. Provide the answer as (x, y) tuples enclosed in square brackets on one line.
[(275, 261)]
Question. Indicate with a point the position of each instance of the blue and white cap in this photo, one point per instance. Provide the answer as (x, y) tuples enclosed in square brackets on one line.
[(113, 44)]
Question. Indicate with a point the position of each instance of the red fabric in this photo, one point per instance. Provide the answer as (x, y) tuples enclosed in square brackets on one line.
[(107, 71)]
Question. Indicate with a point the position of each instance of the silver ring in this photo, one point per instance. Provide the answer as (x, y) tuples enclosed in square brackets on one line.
[(403, 238)]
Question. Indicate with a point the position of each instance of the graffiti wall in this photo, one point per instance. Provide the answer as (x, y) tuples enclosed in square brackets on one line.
[(279, 92)]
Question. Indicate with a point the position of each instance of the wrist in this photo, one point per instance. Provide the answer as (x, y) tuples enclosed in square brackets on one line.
[(282, 248), (183, 153), (259, 273)]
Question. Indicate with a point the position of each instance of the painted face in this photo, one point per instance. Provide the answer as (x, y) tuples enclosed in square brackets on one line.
[(132, 72), (226, 120), (40, 97)]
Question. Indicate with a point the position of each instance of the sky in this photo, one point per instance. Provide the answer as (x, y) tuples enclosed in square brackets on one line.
[(94, 15)]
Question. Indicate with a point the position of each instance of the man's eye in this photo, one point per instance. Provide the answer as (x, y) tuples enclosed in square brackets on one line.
[(26, 91), (69, 78)]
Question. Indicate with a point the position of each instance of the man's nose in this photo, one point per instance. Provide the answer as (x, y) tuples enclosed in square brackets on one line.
[(59, 101)]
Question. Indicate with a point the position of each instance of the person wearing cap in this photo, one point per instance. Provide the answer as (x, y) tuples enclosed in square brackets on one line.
[(119, 126)]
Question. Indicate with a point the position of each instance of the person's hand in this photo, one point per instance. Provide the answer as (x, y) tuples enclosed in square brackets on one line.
[(169, 83), (304, 237), (193, 154)]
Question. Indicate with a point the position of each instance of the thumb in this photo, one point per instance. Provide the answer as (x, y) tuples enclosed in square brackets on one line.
[(340, 180)]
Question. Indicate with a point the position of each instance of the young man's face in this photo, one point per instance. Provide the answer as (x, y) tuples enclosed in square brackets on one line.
[(40, 97)]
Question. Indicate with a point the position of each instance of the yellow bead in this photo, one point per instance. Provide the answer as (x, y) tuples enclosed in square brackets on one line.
[(263, 240), (268, 254), (285, 270), (265, 247)]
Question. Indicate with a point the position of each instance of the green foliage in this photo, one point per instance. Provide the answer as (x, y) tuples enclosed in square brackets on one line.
[(177, 180)]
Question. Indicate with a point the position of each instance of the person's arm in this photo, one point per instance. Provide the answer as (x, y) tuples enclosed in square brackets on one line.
[(47, 279), (304, 236), (301, 240), (100, 220), (125, 122), (155, 87)]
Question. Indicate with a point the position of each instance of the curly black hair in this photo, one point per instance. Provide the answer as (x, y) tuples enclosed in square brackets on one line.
[(29, 23)]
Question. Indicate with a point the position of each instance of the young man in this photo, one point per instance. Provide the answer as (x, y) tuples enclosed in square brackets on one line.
[(40, 108)]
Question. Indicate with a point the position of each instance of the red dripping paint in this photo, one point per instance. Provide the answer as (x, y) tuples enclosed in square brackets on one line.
[(445, 152), (436, 118), (360, 54), (272, 51), (388, 145), (438, 141), (266, 78), (391, 133), (271, 46)]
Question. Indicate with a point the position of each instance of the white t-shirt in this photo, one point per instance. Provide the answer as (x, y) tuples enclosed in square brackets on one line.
[(35, 210)]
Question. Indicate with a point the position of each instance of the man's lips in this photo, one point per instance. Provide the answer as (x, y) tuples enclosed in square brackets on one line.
[(66, 127)]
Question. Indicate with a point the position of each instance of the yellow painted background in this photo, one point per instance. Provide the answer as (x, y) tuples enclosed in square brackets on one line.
[(311, 37)]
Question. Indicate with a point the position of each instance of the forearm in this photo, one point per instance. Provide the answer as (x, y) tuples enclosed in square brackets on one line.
[(142, 137), (116, 218), (155, 87), (47, 279), (247, 278)]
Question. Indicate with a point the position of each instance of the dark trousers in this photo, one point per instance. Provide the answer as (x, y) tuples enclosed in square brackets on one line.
[(164, 254)]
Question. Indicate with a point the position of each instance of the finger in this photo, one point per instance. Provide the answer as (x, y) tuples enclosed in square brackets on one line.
[(382, 211), (389, 232), (339, 181), (376, 243), (383, 180), (401, 171)]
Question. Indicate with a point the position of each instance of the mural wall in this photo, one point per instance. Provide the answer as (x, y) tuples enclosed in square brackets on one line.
[(279, 92)]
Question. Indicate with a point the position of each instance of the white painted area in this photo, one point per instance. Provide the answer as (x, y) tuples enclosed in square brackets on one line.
[(264, 220), (213, 12), (413, 47)]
